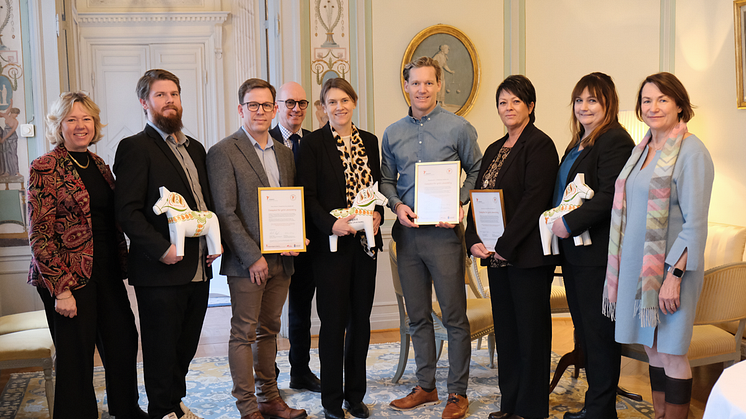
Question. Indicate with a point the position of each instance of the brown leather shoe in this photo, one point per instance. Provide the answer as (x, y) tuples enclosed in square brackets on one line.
[(278, 409), (416, 398), (253, 415), (456, 407), (499, 415)]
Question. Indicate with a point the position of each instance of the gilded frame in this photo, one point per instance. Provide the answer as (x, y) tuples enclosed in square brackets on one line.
[(428, 42), (739, 16)]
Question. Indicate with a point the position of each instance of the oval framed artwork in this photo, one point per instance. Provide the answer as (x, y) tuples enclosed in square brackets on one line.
[(459, 62)]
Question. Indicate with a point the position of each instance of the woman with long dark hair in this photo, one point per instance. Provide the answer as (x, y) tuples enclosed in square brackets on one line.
[(599, 148)]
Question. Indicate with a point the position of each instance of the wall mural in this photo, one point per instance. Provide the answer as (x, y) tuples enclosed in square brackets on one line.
[(13, 153), (330, 47)]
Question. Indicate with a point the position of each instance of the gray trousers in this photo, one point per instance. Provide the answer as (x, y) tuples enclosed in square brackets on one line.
[(431, 256)]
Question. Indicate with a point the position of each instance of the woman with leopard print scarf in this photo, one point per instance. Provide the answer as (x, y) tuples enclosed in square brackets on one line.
[(335, 163)]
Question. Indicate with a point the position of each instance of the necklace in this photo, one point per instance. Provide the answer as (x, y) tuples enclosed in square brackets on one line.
[(80, 165)]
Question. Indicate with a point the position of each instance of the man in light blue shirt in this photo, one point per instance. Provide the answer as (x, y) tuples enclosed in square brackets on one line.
[(430, 134)]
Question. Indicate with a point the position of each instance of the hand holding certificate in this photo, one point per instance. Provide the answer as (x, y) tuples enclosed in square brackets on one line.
[(282, 220), (437, 193), (489, 215)]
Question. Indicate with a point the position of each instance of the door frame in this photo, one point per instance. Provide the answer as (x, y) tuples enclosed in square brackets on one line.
[(160, 28)]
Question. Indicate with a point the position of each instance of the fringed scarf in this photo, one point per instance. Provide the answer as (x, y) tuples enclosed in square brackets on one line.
[(656, 224)]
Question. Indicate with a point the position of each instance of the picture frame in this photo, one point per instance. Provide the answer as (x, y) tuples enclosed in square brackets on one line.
[(459, 61), (739, 16)]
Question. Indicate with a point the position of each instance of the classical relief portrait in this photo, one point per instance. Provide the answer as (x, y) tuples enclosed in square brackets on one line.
[(458, 60)]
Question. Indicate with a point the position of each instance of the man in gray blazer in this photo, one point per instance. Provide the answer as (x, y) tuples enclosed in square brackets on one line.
[(237, 166)]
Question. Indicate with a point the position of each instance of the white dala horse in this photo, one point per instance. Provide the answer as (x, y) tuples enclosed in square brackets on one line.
[(575, 193), (183, 222), (363, 207)]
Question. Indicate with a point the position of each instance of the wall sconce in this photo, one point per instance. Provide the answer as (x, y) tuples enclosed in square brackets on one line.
[(636, 128)]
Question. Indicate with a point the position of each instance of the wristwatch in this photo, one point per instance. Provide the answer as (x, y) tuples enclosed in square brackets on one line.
[(678, 273)]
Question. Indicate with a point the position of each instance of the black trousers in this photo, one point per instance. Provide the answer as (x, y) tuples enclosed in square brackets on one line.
[(585, 286), (300, 297), (171, 320), (346, 282), (104, 317), (523, 336)]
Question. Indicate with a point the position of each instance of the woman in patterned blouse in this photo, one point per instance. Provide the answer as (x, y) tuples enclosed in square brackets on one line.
[(78, 264), (523, 164)]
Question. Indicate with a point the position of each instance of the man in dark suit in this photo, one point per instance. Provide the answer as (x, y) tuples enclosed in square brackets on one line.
[(291, 111), (171, 290), (238, 165)]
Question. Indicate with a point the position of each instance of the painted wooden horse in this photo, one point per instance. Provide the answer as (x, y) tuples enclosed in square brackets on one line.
[(575, 193), (183, 222), (363, 207)]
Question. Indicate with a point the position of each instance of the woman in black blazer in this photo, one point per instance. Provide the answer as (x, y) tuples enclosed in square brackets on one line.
[(599, 148), (522, 165), (335, 163)]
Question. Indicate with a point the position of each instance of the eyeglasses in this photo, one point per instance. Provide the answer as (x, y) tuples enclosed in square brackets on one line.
[(254, 106), (290, 103)]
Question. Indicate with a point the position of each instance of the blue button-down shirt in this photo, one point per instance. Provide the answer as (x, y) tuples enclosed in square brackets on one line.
[(268, 158), (438, 136)]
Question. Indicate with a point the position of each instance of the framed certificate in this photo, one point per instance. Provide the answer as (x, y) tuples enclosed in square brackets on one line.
[(436, 192), (282, 220), (488, 211)]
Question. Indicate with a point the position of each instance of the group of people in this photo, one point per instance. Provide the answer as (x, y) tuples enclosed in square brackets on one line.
[(647, 221)]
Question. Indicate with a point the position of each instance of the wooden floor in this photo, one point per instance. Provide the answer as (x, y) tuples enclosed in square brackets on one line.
[(634, 377)]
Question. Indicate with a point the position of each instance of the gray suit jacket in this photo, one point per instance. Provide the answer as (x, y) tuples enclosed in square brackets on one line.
[(235, 173)]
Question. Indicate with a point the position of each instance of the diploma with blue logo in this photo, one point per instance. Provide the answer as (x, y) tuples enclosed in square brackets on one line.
[(282, 220), (436, 192)]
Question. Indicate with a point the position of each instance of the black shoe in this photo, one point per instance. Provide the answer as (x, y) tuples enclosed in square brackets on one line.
[(306, 382), (499, 415), (359, 409), (328, 414), (576, 415)]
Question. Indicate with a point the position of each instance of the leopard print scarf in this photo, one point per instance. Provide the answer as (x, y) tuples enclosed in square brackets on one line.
[(355, 164)]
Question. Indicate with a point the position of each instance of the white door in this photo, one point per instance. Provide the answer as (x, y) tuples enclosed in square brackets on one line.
[(117, 68), (188, 63)]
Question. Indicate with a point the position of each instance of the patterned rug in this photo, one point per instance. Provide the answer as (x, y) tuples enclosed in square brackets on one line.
[(209, 390)]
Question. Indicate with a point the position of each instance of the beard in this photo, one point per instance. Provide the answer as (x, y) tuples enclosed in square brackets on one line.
[(168, 124)]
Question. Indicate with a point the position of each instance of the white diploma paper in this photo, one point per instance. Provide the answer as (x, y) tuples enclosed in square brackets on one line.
[(489, 215), (282, 220), (436, 192)]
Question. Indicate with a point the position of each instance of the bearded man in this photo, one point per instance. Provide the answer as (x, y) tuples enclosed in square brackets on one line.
[(171, 290)]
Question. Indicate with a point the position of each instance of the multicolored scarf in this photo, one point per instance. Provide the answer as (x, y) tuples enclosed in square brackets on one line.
[(656, 225)]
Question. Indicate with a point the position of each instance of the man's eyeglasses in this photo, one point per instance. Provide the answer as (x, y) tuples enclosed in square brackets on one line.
[(254, 106), (290, 103)]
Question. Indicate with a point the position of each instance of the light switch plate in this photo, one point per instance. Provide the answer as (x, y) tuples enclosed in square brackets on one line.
[(27, 130)]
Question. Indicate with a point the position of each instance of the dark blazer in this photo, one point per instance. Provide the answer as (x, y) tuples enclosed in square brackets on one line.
[(277, 134), (60, 226), (321, 174), (144, 163), (236, 173), (601, 164), (527, 179)]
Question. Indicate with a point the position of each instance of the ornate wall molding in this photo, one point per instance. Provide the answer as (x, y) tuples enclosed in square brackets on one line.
[(130, 18)]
